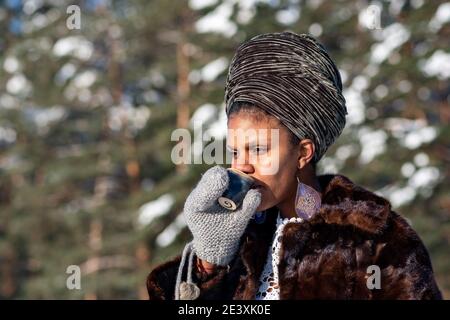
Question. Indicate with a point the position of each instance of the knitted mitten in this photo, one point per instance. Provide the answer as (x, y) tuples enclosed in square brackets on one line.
[(216, 230)]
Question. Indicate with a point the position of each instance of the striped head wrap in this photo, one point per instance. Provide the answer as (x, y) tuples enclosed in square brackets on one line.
[(292, 78)]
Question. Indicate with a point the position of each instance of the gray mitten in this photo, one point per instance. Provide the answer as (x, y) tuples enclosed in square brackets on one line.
[(216, 230)]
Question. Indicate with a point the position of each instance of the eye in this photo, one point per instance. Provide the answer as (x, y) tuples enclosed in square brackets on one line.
[(233, 152), (259, 149)]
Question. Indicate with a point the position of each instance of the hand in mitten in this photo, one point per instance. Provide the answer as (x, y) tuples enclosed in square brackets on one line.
[(216, 230)]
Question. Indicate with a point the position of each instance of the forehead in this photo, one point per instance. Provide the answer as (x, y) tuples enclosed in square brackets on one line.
[(247, 129)]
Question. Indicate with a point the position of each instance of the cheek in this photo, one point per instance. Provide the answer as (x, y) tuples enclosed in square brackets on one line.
[(283, 182), (268, 164), (279, 185), (268, 160)]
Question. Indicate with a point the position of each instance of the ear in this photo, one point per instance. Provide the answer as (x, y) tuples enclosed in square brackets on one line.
[(306, 152)]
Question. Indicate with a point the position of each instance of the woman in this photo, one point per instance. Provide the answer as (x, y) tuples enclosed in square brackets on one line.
[(296, 235)]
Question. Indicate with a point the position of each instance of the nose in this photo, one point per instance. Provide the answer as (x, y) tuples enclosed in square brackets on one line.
[(246, 168), (242, 164)]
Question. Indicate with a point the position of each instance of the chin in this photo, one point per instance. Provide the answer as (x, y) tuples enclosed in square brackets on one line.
[(267, 200), (264, 206)]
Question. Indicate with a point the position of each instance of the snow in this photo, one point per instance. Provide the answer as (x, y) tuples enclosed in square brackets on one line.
[(200, 4), (421, 159), (30, 6), (424, 177), (157, 79), (345, 151), (344, 75), (314, 4), (396, 6), (207, 125), (218, 21), (355, 106), (39, 20), (401, 196), (84, 95), (413, 140), (7, 101), (371, 70), (410, 133), (85, 79), (44, 117), (373, 143), (151, 96), (195, 76), (422, 182), (407, 169), (170, 233), (76, 46), (438, 65), (154, 209), (199, 121), (288, 16), (421, 177), (247, 10), (360, 83), (404, 86), (66, 72), (135, 118), (208, 118), (417, 3), (203, 115), (245, 13), (330, 165), (315, 30), (18, 84), (354, 100), (7, 135), (213, 69), (392, 37), (34, 22), (441, 17), (11, 64), (218, 129), (381, 91)]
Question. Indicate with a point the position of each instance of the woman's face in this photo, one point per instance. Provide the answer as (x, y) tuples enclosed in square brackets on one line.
[(260, 147)]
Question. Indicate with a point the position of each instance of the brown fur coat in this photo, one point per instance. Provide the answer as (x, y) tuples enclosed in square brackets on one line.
[(324, 258)]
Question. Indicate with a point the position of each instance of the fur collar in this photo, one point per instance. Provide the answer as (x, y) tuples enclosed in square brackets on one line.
[(343, 204)]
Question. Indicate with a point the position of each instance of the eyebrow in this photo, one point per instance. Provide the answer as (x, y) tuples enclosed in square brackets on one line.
[(248, 145)]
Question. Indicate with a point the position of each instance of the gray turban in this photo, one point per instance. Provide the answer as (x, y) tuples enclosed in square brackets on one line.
[(292, 78)]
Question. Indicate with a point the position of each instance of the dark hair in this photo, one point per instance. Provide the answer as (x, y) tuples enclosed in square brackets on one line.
[(259, 114)]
